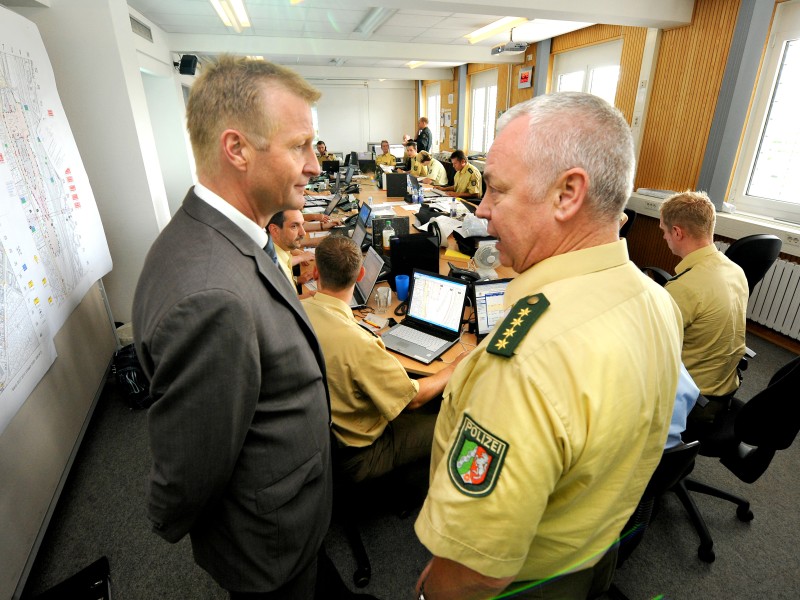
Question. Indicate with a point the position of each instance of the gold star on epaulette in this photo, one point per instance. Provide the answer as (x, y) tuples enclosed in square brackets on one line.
[(519, 320)]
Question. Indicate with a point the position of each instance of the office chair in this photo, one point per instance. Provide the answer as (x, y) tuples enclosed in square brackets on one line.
[(745, 438), (660, 276), (755, 255), (675, 463)]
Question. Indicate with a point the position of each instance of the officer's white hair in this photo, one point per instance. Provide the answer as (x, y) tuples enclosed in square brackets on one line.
[(573, 129)]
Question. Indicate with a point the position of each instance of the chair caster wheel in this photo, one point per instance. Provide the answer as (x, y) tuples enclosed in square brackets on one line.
[(706, 554), (743, 513), (361, 577)]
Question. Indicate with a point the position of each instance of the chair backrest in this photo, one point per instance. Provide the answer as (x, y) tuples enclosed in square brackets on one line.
[(755, 254), (674, 465), (771, 418)]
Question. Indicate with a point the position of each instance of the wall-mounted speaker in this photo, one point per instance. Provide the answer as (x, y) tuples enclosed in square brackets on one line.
[(188, 64)]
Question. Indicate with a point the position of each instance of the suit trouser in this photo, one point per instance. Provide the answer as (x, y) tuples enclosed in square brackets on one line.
[(300, 588), (405, 440)]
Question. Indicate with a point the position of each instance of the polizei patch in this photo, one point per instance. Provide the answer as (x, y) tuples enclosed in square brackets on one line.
[(476, 459)]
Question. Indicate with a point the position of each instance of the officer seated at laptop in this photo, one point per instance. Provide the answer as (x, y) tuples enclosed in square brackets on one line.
[(369, 388), (436, 172), (468, 180)]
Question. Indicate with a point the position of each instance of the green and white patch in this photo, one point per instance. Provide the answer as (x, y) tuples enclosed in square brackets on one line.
[(476, 459)]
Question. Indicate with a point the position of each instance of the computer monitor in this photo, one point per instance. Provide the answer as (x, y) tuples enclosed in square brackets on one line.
[(414, 251), (330, 167), (488, 304), (398, 150), (353, 158), (348, 176), (367, 167), (366, 156)]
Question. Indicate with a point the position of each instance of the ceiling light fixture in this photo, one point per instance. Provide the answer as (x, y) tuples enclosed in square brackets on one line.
[(496, 28), (415, 63), (376, 17), (232, 14)]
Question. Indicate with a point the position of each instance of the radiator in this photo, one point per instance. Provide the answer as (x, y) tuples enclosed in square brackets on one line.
[(775, 301)]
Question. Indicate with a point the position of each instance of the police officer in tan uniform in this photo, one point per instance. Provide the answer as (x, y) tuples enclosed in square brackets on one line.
[(436, 173), (387, 158), (370, 389), (467, 182), (550, 430), (415, 167), (322, 153)]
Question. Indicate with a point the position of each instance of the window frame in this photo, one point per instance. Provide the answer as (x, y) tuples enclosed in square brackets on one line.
[(480, 81), (785, 28)]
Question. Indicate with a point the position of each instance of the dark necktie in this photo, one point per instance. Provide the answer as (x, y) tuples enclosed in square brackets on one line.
[(270, 250)]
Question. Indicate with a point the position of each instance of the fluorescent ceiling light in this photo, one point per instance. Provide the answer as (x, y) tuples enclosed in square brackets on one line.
[(496, 28), (415, 63), (376, 17), (232, 14)]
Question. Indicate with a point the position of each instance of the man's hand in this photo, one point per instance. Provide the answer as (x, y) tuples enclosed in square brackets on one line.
[(445, 579)]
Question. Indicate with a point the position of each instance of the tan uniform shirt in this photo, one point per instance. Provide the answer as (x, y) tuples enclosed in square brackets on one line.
[(327, 156), (539, 459), (711, 292), (285, 262), (368, 386), (437, 173), (468, 181), (387, 159), (417, 168)]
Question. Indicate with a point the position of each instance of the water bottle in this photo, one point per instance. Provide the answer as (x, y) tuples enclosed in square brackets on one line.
[(388, 233), (453, 209)]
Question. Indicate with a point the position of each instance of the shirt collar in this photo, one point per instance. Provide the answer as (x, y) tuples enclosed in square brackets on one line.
[(695, 257), (564, 266), (251, 228), (334, 305)]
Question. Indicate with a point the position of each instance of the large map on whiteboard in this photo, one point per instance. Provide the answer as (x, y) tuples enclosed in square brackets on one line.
[(52, 245)]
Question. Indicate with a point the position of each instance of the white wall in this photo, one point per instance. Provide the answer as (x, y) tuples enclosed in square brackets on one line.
[(90, 46), (352, 114)]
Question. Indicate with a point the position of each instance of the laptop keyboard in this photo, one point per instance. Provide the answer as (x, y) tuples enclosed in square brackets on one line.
[(418, 337)]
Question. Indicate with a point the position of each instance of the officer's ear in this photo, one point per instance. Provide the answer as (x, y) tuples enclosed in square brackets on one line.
[(571, 188)]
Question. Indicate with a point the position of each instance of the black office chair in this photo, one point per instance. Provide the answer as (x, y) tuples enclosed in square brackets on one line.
[(745, 438), (660, 276), (675, 463), (755, 254)]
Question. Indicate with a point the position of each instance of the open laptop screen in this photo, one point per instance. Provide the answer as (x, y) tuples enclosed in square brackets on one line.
[(359, 233), (372, 268), (489, 304), (437, 300)]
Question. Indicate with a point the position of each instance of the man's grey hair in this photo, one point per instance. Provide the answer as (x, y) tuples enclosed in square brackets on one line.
[(573, 129)]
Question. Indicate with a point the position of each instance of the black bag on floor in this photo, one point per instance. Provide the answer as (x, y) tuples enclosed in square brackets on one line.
[(131, 378)]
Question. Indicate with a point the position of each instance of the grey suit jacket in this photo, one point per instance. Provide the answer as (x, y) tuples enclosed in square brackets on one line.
[(239, 430)]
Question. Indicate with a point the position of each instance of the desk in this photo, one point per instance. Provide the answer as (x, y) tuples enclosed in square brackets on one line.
[(468, 340)]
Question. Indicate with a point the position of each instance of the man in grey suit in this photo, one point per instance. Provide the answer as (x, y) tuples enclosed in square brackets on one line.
[(239, 430)]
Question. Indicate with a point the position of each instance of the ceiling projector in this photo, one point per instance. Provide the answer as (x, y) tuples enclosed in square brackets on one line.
[(511, 46)]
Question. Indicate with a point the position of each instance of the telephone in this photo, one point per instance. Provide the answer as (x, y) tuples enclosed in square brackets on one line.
[(353, 188), (464, 274)]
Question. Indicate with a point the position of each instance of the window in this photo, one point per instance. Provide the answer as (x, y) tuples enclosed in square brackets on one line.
[(594, 69), (483, 110), (434, 114), (764, 181)]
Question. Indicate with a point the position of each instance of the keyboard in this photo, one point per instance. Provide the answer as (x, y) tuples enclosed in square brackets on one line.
[(418, 337)]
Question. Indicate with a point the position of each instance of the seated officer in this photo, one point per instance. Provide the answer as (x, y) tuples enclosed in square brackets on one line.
[(436, 173), (369, 388), (467, 181), (387, 158), (414, 166), (322, 153), (286, 230), (711, 292)]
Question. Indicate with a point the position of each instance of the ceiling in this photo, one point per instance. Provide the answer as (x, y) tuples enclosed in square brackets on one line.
[(317, 37)]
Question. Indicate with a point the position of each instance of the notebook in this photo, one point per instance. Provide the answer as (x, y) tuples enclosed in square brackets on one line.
[(373, 264), (433, 320), (488, 303)]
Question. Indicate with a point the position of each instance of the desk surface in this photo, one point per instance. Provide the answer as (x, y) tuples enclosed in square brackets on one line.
[(468, 341)]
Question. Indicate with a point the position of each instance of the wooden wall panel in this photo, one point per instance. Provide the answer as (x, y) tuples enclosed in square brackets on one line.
[(646, 245), (633, 39), (686, 84), (588, 36), (446, 87)]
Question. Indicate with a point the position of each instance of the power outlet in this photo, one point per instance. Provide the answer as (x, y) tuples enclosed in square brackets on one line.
[(636, 121), (793, 240)]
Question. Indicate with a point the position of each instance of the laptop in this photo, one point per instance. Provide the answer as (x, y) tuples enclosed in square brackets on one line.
[(330, 166), (433, 320), (488, 303), (373, 264), (334, 202)]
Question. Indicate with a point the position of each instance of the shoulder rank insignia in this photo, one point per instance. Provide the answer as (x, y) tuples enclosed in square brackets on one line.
[(518, 321), (476, 459)]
